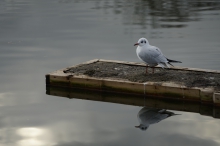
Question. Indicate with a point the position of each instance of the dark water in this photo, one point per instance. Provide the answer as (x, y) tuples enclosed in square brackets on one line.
[(38, 37)]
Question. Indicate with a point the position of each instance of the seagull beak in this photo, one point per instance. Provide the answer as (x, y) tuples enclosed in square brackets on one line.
[(136, 44)]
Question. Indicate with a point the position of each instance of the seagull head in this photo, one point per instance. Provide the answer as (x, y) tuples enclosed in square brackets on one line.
[(142, 127), (142, 42)]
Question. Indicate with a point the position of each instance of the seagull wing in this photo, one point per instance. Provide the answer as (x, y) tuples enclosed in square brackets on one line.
[(159, 57), (153, 55)]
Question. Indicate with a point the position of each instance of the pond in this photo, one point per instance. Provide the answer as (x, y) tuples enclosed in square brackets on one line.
[(38, 37)]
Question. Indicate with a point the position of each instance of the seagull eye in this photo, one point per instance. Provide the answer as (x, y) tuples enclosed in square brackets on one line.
[(145, 42), (141, 41)]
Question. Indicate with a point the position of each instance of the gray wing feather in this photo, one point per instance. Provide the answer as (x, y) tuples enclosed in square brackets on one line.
[(153, 55)]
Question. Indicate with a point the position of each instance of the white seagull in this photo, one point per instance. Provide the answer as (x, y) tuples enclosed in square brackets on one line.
[(152, 55)]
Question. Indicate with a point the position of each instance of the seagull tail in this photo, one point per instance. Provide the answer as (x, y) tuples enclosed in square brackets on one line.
[(173, 61)]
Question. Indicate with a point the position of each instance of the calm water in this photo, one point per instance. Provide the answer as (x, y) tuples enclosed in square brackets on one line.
[(38, 37)]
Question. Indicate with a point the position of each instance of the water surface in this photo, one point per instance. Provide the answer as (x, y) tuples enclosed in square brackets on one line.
[(38, 37)]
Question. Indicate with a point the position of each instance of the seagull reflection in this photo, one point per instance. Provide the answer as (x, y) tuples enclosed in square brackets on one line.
[(148, 116)]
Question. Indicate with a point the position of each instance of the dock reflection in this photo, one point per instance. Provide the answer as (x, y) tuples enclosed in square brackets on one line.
[(148, 116), (133, 100)]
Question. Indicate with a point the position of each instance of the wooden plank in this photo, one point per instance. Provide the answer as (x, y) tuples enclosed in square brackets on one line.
[(216, 98)]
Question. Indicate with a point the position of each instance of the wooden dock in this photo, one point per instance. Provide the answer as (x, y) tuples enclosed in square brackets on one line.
[(158, 89)]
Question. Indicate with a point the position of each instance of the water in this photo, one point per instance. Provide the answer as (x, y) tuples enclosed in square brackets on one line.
[(38, 37)]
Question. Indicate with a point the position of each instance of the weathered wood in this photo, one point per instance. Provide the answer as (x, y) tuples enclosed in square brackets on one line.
[(216, 98), (61, 78)]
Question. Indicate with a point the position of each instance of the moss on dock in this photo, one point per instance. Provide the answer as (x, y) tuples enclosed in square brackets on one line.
[(137, 74)]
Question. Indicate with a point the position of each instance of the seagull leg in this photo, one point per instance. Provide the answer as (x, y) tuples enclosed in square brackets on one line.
[(153, 69)]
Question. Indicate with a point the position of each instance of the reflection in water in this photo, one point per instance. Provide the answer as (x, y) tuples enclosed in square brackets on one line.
[(147, 116), (38, 37), (157, 103), (33, 136), (158, 14), (154, 12)]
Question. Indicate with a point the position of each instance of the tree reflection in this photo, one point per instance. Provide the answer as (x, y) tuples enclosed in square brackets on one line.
[(157, 13)]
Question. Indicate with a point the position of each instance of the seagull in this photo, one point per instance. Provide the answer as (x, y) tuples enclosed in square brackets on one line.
[(152, 55), (147, 116)]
